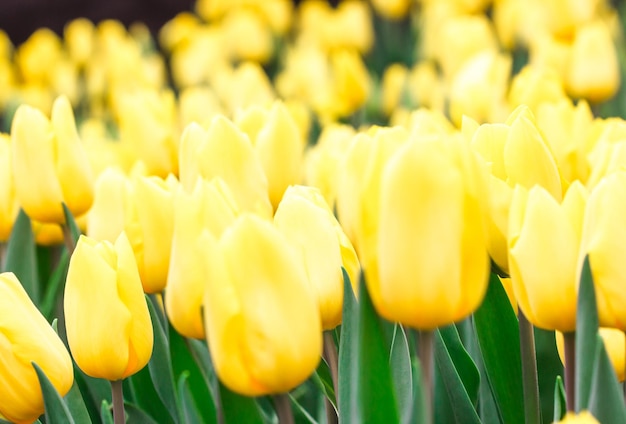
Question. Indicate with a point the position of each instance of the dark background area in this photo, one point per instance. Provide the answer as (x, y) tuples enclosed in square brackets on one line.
[(20, 18)]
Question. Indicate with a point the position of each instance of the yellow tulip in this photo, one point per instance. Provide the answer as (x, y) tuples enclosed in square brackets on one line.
[(262, 321), (149, 224), (49, 164), (8, 201), (395, 9), (105, 220), (280, 149), (535, 85), (210, 207), (544, 242), (604, 240), (109, 329), (27, 337), (615, 345), (317, 245), (225, 151), (47, 234), (433, 264), (247, 36), (79, 38), (594, 71), (393, 88)]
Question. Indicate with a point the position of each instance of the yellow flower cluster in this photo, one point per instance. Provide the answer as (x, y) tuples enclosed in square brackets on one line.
[(213, 192)]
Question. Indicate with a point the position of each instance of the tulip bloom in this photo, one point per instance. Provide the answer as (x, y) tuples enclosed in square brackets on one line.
[(432, 257), (149, 224), (544, 242), (209, 209), (27, 337), (604, 240), (225, 151), (584, 417), (49, 164), (318, 244), (262, 320), (106, 315)]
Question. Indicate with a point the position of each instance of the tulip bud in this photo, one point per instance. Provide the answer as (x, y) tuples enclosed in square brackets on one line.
[(252, 271), (225, 151), (535, 85), (8, 201), (594, 71), (49, 164), (149, 224), (27, 337), (604, 240), (317, 243), (432, 258), (583, 417), (105, 220), (544, 242), (109, 330), (394, 9), (209, 208)]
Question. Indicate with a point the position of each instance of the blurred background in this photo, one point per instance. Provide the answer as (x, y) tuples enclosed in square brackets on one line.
[(20, 18)]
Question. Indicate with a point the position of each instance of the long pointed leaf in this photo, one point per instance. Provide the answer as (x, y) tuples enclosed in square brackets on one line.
[(498, 338), (56, 409), (190, 412), (239, 409), (402, 371), (586, 331), (348, 366), (21, 256), (560, 404), (606, 401)]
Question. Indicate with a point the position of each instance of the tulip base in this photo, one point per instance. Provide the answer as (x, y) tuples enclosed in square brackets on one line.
[(118, 402)]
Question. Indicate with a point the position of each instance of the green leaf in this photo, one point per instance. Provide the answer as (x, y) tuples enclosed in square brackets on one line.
[(136, 415), (450, 393), (324, 381), (239, 409), (586, 331), (93, 390), (497, 331), (606, 401), (56, 409), (55, 286), (76, 405), (202, 357), (375, 394), (190, 412), (160, 365), (560, 403), (549, 367), (106, 412), (402, 371), (300, 414), (70, 222), (463, 362), (183, 362), (145, 397), (348, 367), (21, 256)]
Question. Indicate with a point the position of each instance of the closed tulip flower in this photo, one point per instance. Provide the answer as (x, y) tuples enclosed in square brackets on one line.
[(225, 151), (49, 164), (544, 242), (208, 209), (149, 224), (27, 337), (318, 244), (262, 321), (105, 220), (109, 330), (432, 257), (604, 240), (584, 417)]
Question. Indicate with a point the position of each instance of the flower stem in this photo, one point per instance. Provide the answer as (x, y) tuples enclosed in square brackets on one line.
[(283, 409), (570, 369), (3, 255), (425, 353), (68, 239), (331, 358), (529, 370), (118, 402)]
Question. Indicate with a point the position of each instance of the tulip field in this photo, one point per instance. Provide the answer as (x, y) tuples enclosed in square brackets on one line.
[(404, 211)]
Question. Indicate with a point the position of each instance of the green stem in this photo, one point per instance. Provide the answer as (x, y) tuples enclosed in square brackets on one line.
[(3, 255), (331, 358), (425, 353), (283, 409), (68, 239), (529, 370), (570, 369), (118, 402)]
